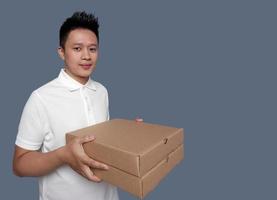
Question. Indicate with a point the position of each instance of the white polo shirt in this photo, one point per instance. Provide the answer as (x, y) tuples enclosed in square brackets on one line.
[(58, 107)]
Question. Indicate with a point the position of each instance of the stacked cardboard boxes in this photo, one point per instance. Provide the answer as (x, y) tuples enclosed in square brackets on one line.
[(139, 154)]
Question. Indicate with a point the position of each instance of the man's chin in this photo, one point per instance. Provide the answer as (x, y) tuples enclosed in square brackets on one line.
[(85, 75)]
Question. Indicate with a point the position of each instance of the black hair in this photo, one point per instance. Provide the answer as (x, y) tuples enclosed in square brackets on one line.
[(78, 20)]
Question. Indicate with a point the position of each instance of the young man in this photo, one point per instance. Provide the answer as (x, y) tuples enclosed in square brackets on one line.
[(69, 102)]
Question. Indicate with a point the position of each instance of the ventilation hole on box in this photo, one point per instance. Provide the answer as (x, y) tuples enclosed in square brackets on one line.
[(165, 140)]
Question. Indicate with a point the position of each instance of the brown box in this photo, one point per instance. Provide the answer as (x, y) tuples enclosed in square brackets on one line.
[(139, 154)]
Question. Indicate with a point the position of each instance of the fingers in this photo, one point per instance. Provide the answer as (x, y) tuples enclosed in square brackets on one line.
[(81, 162), (139, 119), (87, 138), (86, 159), (87, 173), (95, 164)]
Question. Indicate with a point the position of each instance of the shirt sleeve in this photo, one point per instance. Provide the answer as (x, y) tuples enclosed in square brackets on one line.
[(31, 129)]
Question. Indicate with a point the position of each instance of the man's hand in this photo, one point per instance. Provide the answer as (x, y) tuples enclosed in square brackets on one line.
[(75, 156)]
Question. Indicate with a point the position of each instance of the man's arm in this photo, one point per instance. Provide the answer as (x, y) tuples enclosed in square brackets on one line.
[(34, 163)]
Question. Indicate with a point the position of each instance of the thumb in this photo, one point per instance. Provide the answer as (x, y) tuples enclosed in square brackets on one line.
[(87, 138)]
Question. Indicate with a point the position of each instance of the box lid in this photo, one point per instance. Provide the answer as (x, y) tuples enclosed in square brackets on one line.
[(134, 147)]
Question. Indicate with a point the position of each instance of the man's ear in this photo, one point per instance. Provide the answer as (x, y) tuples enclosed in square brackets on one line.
[(61, 52)]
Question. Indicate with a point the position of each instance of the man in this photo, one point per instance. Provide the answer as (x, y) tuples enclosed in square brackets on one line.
[(69, 102)]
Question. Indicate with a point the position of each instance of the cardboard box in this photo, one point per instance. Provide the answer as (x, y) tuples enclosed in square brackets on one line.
[(139, 154)]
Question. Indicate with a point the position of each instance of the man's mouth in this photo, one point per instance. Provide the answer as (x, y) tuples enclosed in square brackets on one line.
[(86, 66)]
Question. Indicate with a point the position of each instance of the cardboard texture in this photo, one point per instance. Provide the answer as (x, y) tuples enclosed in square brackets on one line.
[(139, 154)]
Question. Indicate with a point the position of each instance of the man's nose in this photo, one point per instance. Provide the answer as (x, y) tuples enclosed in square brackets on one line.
[(85, 54)]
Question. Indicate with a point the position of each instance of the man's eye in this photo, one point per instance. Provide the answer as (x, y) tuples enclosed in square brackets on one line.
[(77, 48), (92, 49)]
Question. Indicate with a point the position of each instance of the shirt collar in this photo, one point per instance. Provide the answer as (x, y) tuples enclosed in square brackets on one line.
[(72, 84)]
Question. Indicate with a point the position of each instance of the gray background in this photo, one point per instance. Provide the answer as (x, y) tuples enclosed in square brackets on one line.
[(206, 66)]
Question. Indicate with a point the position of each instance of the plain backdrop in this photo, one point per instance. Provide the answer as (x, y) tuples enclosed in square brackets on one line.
[(206, 66)]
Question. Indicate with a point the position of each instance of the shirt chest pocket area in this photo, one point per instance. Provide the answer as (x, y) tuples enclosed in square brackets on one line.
[(100, 111)]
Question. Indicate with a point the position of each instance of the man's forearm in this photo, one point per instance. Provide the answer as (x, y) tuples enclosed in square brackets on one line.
[(33, 163)]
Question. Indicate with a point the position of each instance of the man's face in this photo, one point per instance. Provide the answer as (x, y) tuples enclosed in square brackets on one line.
[(80, 54)]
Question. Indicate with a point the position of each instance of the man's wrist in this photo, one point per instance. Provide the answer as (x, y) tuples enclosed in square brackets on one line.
[(61, 155)]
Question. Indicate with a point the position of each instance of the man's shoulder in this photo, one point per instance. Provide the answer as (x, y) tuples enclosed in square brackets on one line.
[(49, 87)]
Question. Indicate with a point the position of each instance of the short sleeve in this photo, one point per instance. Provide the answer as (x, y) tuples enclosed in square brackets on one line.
[(32, 126)]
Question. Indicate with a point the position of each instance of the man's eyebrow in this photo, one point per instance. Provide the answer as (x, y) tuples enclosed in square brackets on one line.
[(78, 43)]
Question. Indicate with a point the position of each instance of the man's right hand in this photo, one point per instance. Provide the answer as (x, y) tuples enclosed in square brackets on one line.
[(74, 155)]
